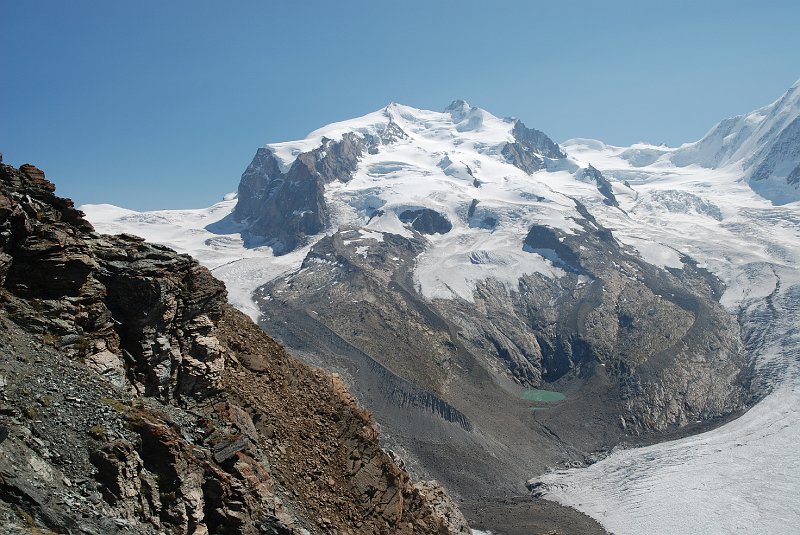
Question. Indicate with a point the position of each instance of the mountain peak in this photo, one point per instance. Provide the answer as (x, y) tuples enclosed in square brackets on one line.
[(790, 99), (794, 92), (458, 104), (458, 109), (762, 143)]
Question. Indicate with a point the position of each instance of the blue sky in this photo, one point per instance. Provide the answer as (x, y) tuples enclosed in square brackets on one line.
[(154, 104)]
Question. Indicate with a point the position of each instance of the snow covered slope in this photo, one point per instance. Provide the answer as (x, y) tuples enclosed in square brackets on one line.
[(765, 143), (471, 182), (464, 167)]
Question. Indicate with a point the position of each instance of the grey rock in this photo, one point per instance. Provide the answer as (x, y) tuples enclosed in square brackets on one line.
[(530, 149), (622, 337), (603, 185), (224, 451), (426, 221), (279, 208), (121, 413)]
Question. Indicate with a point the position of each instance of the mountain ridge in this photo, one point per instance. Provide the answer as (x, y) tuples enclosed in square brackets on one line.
[(758, 147)]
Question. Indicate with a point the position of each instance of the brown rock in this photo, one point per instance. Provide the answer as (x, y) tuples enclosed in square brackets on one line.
[(36, 176)]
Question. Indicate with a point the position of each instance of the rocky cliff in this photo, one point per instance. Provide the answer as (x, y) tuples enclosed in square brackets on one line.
[(282, 208), (134, 399), (636, 349)]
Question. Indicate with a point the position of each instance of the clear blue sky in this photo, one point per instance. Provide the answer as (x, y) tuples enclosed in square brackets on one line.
[(161, 104)]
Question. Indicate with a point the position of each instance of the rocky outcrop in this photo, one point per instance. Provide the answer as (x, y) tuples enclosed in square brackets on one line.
[(256, 184), (114, 301), (776, 169), (614, 314), (638, 349), (136, 400), (281, 208), (530, 149), (426, 221), (536, 141), (444, 505), (603, 185)]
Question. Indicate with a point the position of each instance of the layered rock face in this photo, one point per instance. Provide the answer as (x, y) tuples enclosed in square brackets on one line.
[(135, 400), (530, 148)]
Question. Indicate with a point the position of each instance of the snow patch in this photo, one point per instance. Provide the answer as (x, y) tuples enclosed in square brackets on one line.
[(457, 264), (653, 252)]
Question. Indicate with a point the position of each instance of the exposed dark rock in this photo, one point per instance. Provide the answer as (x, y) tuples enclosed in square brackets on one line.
[(622, 338), (391, 134), (794, 176), (785, 149), (643, 324), (549, 242), (478, 217), (280, 208), (426, 221), (603, 185), (472, 206), (522, 157), (537, 141), (530, 149), (257, 184)]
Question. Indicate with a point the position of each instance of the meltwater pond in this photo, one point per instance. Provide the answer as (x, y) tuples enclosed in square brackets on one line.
[(536, 394)]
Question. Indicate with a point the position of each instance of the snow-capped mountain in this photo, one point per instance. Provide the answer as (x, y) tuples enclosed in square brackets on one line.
[(761, 147), (387, 167), (446, 262), (743, 476), (480, 200)]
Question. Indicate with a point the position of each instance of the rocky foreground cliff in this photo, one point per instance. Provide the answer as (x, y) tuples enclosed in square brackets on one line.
[(134, 399)]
